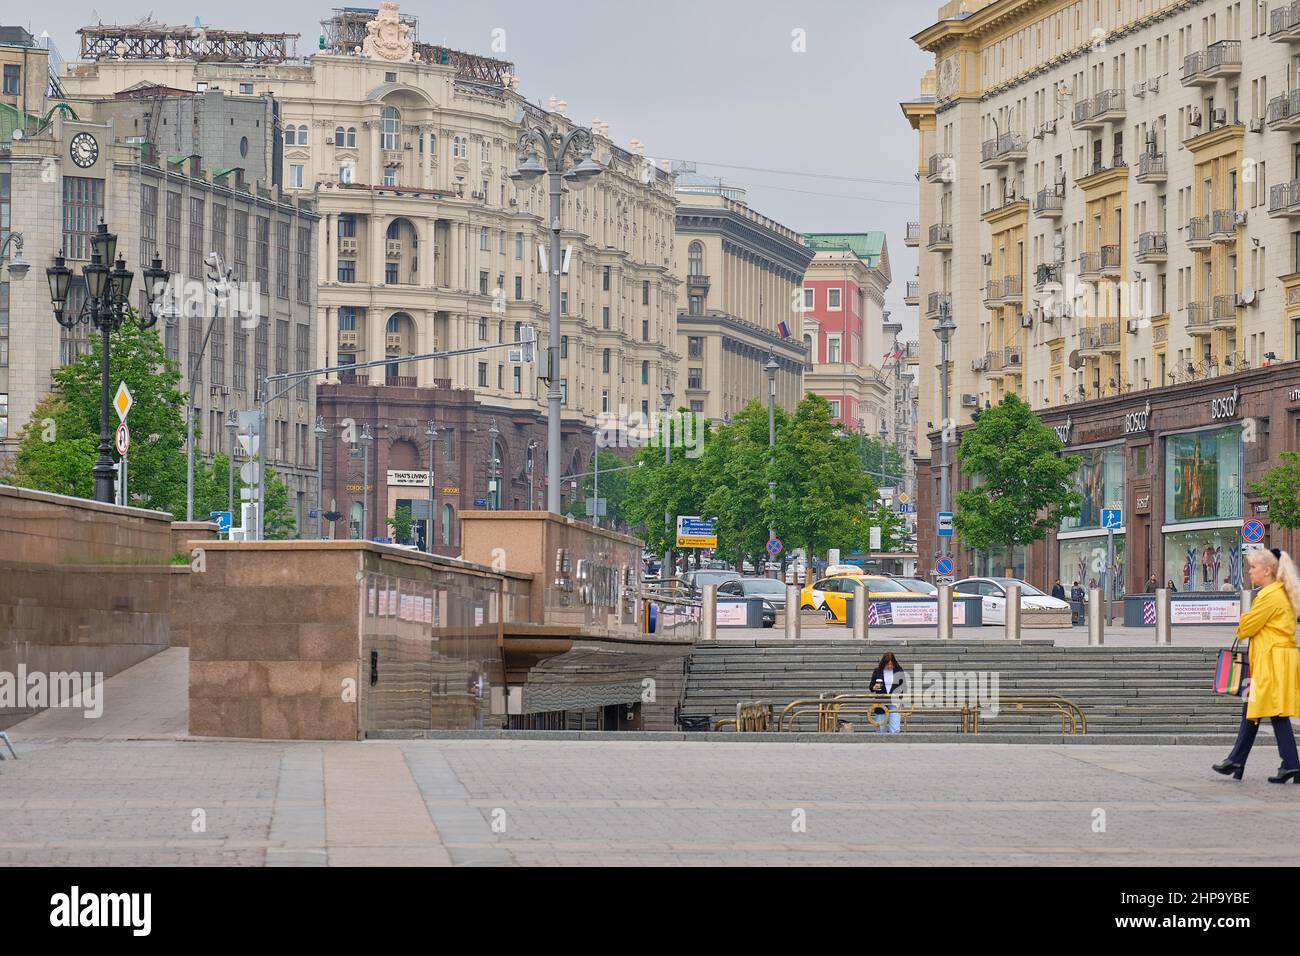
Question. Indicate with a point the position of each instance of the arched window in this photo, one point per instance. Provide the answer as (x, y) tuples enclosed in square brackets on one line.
[(448, 516), (695, 259), (459, 147), (807, 343), (394, 325), (302, 135), (391, 129), (290, 135), (433, 145), (484, 152), (394, 230), (352, 137), (338, 136)]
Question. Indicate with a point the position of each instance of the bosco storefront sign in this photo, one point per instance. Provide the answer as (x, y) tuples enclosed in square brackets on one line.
[(1138, 421), (1224, 406)]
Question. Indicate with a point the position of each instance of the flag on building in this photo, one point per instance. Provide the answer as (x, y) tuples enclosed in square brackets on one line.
[(784, 328)]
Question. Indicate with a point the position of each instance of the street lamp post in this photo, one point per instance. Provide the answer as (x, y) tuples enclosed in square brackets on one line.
[(215, 277), (107, 306), (493, 492), (944, 330), (232, 426), (320, 476), (18, 266), (666, 395), (431, 433), (554, 147), (365, 438), (772, 367), (532, 497)]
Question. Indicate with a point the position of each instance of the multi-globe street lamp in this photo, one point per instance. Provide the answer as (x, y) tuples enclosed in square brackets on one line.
[(554, 147), (108, 291)]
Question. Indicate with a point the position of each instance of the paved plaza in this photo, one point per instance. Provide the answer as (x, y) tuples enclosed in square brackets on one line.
[(524, 802)]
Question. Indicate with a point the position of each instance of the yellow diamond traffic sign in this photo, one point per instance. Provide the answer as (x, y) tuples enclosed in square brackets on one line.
[(123, 401)]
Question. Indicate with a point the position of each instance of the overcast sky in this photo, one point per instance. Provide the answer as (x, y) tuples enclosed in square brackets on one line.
[(711, 81)]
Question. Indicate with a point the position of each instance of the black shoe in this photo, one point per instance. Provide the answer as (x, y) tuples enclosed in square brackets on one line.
[(1283, 775), (1234, 769)]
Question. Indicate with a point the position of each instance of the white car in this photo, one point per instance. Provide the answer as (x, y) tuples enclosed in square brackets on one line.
[(994, 593)]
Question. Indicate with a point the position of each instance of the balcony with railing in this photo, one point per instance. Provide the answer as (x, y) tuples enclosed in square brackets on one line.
[(1013, 288), (1153, 247), (1224, 224), (1112, 262), (993, 293), (1048, 273), (1223, 312), (697, 283), (940, 237), (1199, 318), (1152, 168), (1099, 339), (1206, 66), (1099, 167), (1106, 107), (1284, 111), (1090, 265), (1006, 149), (913, 296), (938, 301), (1049, 203), (1198, 232), (913, 237), (1284, 200), (353, 378), (1284, 23), (942, 168)]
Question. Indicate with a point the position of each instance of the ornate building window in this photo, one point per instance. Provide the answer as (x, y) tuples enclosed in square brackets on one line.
[(391, 129)]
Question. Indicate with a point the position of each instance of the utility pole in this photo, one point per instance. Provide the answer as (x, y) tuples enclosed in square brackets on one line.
[(944, 330)]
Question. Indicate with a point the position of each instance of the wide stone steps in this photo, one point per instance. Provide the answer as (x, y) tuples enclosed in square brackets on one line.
[(1122, 691)]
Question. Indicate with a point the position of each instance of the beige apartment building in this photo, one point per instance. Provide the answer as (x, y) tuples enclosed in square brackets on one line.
[(1110, 199), (744, 275), (425, 243)]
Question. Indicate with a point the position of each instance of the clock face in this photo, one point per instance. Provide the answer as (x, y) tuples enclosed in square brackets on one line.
[(84, 150)]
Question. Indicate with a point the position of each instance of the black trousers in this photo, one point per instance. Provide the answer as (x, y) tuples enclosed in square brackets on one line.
[(1281, 730)]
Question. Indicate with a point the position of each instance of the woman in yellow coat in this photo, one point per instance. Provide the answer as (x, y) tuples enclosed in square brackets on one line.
[(1273, 688)]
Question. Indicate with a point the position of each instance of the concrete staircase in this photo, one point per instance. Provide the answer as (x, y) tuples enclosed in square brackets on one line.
[(1127, 694)]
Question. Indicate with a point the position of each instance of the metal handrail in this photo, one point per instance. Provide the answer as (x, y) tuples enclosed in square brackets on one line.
[(828, 710), (1072, 716)]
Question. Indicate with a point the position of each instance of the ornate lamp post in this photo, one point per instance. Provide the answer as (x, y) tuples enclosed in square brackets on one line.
[(494, 491), (320, 433), (18, 266), (772, 367), (365, 438), (666, 396), (107, 306), (431, 433), (944, 330), (554, 147)]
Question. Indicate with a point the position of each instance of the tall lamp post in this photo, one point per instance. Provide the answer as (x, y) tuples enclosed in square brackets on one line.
[(320, 432), (215, 279), (532, 498), (493, 489), (18, 266), (365, 438), (666, 397), (554, 147), (232, 426), (107, 305), (431, 433), (772, 367), (944, 330)]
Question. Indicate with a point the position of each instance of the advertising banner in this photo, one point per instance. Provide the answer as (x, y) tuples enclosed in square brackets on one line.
[(911, 613), (733, 614), (1226, 611)]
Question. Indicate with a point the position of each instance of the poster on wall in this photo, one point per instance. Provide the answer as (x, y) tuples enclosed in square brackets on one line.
[(1100, 484), (1206, 560), (1205, 612), (733, 614), (1203, 475)]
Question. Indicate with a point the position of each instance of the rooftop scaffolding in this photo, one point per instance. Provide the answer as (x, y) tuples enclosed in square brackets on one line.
[(150, 40)]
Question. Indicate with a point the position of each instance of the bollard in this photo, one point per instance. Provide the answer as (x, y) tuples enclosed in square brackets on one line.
[(1164, 630), (709, 613), (1012, 627), (860, 602), (1096, 618), (945, 612), (792, 597), (1247, 599)]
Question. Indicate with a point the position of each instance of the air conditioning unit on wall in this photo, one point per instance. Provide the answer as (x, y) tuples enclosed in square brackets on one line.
[(970, 401)]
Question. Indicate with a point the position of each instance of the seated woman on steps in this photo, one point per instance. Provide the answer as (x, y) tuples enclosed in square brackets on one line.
[(888, 678), (1272, 685)]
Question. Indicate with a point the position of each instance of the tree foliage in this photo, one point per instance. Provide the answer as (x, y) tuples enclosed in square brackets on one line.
[(1280, 487), (613, 488), (1021, 484), (402, 524)]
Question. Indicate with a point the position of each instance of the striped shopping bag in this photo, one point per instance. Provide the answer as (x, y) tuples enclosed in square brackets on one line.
[(1231, 671)]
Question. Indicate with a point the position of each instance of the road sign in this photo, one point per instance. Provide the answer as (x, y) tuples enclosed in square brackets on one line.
[(1252, 531), (696, 532), (943, 566), (222, 518), (944, 525), (249, 472), (480, 502), (1112, 518), (123, 401), (944, 579), (903, 498), (774, 547), (123, 440)]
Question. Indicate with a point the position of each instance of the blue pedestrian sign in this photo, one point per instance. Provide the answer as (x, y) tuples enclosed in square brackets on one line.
[(774, 547), (222, 518), (943, 528), (1112, 518), (943, 566), (1253, 531)]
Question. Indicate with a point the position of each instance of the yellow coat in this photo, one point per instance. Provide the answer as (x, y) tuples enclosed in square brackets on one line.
[(1270, 625)]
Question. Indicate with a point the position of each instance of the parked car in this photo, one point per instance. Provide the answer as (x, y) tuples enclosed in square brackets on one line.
[(770, 589), (830, 594), (693, 581), (918, 585), (994, 594)]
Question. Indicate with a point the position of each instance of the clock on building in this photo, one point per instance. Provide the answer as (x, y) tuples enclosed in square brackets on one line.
[(84, 150)]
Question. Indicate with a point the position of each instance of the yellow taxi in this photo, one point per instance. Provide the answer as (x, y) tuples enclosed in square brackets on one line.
[(829, 594)]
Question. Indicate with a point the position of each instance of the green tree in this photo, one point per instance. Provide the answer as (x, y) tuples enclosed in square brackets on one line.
[(878, 459), (211, 493), (402, 523), (656, 488), (1022, 485), (613, 488), (60, 459), (733, 475), (1280, 487)]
